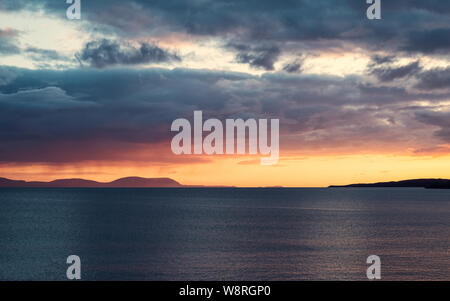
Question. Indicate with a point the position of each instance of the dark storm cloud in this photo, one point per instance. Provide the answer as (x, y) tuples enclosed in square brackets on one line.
[(425, 24), (429, 41), (262, 56), (62, 115), (294, 66), (48, 110), (8, 74), (436, 6), (105, 53), (382, 59), (388, 73), (438, 78)]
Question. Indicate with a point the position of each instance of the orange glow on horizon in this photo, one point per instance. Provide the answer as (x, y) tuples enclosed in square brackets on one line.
[(245, 171)]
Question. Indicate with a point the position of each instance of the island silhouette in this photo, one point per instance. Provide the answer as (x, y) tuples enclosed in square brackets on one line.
[(128, 182), (139, 182), (421, 183)]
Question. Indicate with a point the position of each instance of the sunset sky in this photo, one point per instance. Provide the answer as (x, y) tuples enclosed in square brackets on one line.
[(358, 100)]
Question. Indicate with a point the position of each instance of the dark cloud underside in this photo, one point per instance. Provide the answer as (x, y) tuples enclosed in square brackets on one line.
[(49, 110), (105, 53)]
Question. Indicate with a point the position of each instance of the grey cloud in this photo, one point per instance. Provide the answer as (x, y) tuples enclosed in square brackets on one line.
[(438, 78), (7, 75), (105, 53), (260, 56), (388, 73), (8, 42), (294, 66), (49, 98), (7, 47), (439, 119), (423, 23), (429, 41), (54, 112), (123, 110), (8, 33), (382, 59), (38, 54)]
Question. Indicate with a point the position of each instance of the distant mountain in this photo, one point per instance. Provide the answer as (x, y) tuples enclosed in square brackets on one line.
[(130, 182), (424, 183), (144, 182), (11, 183)]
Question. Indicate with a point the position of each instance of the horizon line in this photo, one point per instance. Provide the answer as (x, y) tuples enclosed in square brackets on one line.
[(171, 183)]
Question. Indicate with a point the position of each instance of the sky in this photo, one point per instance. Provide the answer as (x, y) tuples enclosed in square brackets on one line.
[(358, 100)]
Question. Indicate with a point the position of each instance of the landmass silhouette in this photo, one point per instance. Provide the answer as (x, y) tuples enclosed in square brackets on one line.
[(131, 182), (423, 183), (139, 182)]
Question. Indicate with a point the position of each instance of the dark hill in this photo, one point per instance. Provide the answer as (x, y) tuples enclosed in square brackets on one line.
[(144, 182), (136, 182), (424, 183)]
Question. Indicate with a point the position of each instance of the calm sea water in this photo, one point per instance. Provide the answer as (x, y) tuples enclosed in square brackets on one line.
[(224, 234)]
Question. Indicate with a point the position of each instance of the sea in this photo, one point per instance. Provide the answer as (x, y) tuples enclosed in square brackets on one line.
[(233, 234)]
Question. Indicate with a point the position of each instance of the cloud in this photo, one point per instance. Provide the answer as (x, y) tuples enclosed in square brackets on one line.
[(437, 119), (125, 110), (125, 114), (435, 150), (104, 53), (407, 26), (261, 56), (7, 75), (294, 66), (382, 59), (8, 41), (8, 33), (438, 78), (38, 54), (388, 73), (7, 48), (429, 41)]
